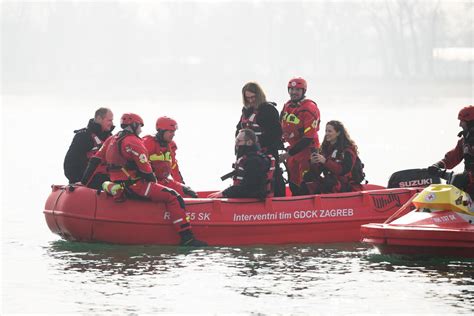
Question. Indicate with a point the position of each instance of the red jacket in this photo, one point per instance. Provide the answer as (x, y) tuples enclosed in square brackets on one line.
[(163, 158), (126, 157), (300, 121)]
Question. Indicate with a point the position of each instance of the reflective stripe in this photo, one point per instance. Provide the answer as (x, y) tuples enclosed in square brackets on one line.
[(148, 188), (97, 140), (307, 129), (126, 172), (161, 157), (291, 118), (178, 220)]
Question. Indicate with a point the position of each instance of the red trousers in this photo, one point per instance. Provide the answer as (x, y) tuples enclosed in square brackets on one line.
[(175, 185), (159, 193), (298, 165)]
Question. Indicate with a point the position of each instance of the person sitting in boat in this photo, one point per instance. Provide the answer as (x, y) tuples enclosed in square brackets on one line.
[(131, 173), (262, 117), (464, 150), (331, 169), (86, 142), (253, 170), (162, 151), (300, 119)]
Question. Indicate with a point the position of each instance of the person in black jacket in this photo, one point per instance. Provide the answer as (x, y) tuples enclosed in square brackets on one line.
[(86, 142), (263, 118), (253, 170)]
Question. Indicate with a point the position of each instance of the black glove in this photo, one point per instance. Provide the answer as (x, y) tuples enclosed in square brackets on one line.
[(436, 169), (150, 177), (188, 191)]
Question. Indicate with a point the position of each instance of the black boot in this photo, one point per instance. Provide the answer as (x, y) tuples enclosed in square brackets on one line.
[(188, 239)]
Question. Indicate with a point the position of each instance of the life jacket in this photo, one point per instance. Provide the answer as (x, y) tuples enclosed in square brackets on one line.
[(161, 157), (97, 144), (292, 123), (468, 151), (250, 122), (357, 173), (120, 168), (353, 176), (239, 171)]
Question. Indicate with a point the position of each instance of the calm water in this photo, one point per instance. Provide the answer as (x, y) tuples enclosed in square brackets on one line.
[(42, 274), (97, 278)]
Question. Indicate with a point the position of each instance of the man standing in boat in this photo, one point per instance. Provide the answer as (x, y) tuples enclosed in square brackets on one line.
[(253, 170), (131, 173), (86, 142), (300, 120), (262, 117), (162, 151), (464, 150)]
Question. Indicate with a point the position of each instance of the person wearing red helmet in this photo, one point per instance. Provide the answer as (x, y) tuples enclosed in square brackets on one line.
[(262, 117), (162, 155), (300, 120), (464, 150), (131, 174), (85, 144)]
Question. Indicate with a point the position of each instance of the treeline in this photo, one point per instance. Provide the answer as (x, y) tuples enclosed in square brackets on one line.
[(192, 43)]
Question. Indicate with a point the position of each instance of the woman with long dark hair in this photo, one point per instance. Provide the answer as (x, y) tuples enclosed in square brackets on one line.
[(331, 169), (263, 118)]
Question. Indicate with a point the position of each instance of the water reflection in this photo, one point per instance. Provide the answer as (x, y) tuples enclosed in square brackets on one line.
[(116, 259), (288, 274)]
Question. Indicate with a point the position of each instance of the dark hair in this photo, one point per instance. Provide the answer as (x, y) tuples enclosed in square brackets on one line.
[(343, 140), (101, 112), (249, 135), (254, 88)]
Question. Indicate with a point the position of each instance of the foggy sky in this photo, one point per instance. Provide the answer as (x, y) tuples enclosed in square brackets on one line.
[(207, 49)]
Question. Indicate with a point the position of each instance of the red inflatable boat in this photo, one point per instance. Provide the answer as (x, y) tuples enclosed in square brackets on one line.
[(441, 225), (84, 215)]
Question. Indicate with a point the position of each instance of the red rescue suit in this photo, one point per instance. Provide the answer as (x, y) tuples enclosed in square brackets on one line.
[(164, 163), (298, 121), (337, 172), (127, 161)]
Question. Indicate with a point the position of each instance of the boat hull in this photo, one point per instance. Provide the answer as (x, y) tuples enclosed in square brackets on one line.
[(444, 233), (85, 215)]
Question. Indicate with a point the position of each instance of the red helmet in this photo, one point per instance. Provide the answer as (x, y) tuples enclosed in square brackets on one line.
[(299, 83), (129, 119), (166, 123), (466, 114)]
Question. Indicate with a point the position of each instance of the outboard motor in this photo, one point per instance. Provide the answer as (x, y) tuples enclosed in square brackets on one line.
[(412, 178)]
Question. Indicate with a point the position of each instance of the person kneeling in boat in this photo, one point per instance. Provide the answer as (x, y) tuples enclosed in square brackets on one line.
[(131, 173), (464, 150), (253, 171), (86, 142), (335, 162), (162, 151)]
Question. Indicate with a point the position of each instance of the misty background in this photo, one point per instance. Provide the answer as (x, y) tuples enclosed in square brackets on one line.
[(396, 72), (184, 50)]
